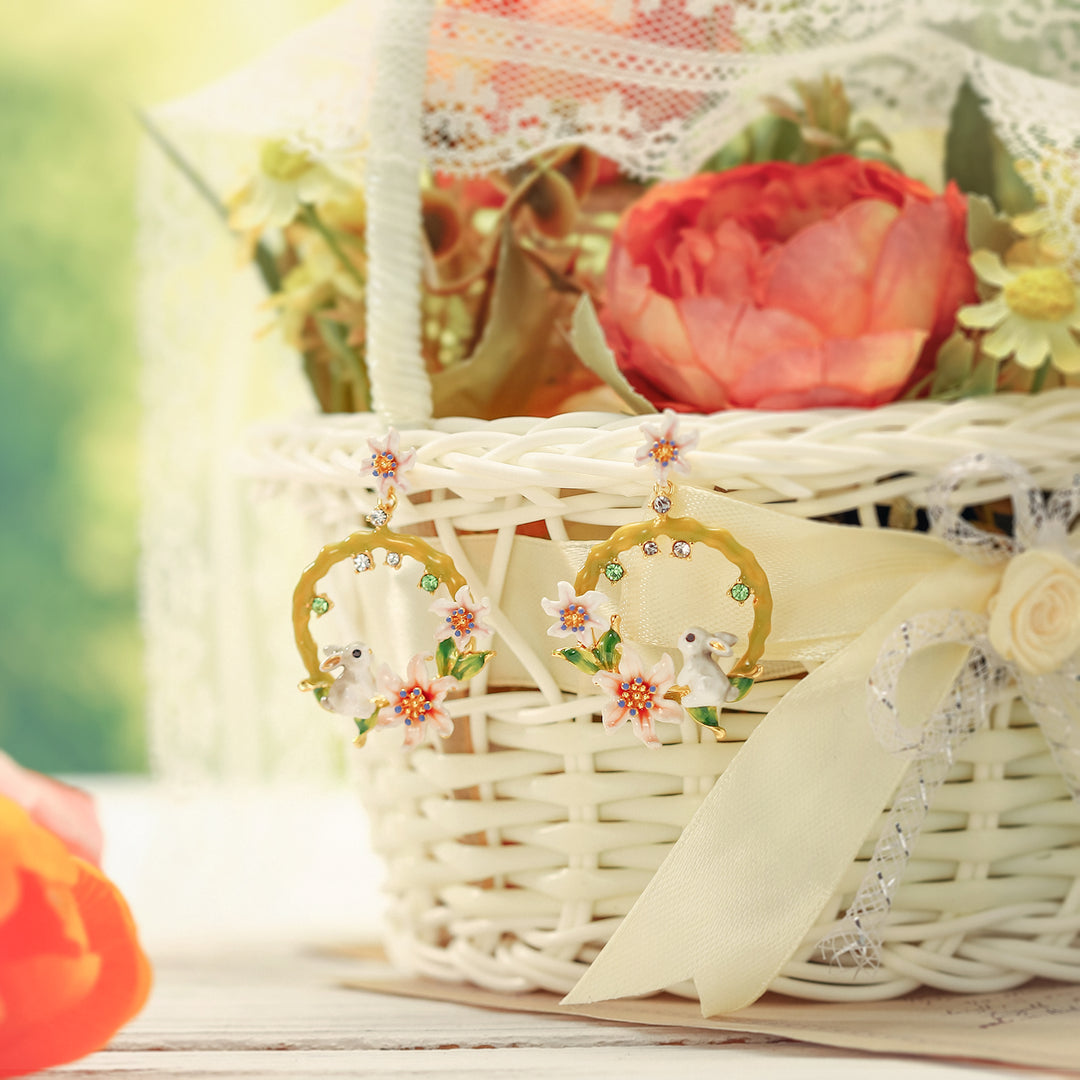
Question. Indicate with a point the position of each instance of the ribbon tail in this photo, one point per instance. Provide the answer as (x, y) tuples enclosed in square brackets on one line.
[(1054, 701), (768, 847)]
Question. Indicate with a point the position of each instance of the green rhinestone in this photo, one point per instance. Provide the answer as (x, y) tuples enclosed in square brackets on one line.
[(320, 605), (429, 583), (740, 592), (614, 571)]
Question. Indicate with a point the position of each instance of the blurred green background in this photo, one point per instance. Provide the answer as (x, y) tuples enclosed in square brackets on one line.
[(71, 72)]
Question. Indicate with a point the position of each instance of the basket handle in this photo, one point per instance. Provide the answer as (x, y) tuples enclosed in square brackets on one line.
[(400, 386)]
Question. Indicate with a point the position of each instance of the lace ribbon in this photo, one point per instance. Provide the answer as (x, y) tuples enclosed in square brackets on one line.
[(1053, 698)]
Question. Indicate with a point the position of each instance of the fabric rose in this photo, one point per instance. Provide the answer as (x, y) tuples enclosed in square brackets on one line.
[(71, 969), (783, 286), (1035, 616)]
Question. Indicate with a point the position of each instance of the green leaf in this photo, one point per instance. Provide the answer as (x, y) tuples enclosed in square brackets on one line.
[(497, 379), (588, 341), (605, 649), (320, 692), (444, 656), (768, 138), (704, 715), (580, 659), (977, 159), (470, 664), (742, 684)]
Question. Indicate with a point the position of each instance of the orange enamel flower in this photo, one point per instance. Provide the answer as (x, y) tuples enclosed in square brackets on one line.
[(71, 969)]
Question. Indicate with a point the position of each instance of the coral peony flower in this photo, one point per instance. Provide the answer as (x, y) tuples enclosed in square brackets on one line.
[(415, 701), (637, 695), (71, 970), (462, 619), (783, 286)]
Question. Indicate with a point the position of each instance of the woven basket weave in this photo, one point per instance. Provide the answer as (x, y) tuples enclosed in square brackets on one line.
[(515, 848)]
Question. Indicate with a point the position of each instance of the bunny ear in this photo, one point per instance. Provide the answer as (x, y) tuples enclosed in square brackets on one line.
[(331, 657)]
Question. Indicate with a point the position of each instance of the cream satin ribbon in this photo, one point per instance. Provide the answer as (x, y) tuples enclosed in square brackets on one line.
[(766, 850)]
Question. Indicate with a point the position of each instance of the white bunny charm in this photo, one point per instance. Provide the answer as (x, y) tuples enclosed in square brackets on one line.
[(706, 683)]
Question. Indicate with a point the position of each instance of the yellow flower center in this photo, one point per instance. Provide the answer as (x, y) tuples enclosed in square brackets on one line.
[(281, 163), (384, 464), (664, 451), (1044, 292), (413, 705)]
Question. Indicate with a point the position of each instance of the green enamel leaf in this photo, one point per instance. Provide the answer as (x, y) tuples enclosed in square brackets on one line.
[(582, 660), (704, 715), (469, 665), (742, 684), (444, 656), (606, 649), (364, 725), (320, 693)]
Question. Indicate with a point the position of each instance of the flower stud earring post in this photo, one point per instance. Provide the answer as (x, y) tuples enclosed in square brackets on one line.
[(377, 699), (637, 694)]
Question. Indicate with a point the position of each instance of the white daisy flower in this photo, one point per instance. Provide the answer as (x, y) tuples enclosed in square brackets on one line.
[(1031, 317)]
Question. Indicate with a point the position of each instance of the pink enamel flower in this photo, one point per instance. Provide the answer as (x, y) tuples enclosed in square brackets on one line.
[(414, 701), (461, 619), (637, 695), (573, 614), (389, 464), (663, 449)]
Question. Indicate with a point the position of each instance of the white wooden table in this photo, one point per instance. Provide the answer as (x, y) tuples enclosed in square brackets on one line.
[(284, 1013)]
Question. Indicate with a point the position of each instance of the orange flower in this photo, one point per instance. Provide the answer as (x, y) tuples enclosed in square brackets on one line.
[(782, 286), (71, 970)]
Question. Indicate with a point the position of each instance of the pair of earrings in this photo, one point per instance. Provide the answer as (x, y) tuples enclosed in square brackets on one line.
[(634, 691)]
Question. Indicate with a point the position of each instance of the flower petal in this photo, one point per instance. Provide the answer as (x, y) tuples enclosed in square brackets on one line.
[(983, 316), (1065, 350), (825, 273), (990, 268)]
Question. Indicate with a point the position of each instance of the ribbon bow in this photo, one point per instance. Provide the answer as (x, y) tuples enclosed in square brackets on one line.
[(1028, 640)]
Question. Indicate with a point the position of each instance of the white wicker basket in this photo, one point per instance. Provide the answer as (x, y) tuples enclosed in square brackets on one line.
[(515, 848)]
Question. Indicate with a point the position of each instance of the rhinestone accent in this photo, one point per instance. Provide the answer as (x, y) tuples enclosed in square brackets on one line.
[(362, 562), (378, 518), (429, 583), (393, 558), (650, 547), (661, 504), (320, 605), (680, 549), (740, 592), (614, 571)]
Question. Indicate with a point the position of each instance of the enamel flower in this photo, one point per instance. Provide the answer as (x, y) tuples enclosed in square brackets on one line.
[(461, 618), (414, 701), (664, 449), (389, 464), (286, 179), (1032, 316), (573, 614), (637, 695)]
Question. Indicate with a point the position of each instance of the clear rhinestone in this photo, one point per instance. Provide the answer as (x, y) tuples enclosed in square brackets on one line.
[(393, 559), (650, 547), (680, 549), (378, 518), (661, 504), (362, 562)]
